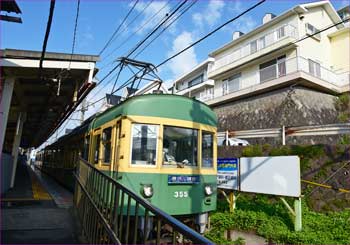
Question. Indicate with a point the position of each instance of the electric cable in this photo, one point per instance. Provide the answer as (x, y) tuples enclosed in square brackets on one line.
[(166, 27), (118, 28), (132, 35), (47, 33)]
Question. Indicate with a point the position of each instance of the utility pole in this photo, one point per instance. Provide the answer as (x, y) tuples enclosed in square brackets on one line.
[(83, 110)]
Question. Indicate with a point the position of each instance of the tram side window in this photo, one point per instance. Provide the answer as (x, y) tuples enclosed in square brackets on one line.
[(86, 147), (106, 137), (180, 146), (144, 144), (97, 148), (207, 149)]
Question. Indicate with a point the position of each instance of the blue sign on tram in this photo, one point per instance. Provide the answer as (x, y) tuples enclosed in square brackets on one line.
[(183, 179)]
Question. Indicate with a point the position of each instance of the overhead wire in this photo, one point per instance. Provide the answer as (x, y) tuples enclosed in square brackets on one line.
[(299, 40), (143, 40), (191, 45), (154, 30), (166, 27), (74, 33), (118, 28), (132, 35), (134, 19), (47, 33)]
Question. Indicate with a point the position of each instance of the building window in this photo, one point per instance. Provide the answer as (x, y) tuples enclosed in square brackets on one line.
[(106, 140), (207, 149), (231, 84), (273, 69), (224, 87), (196, 80), (314, 68), (281, 32), (311, 30), (180, 146), (281, 66), (253, 47), (262, 42), (144, 144)]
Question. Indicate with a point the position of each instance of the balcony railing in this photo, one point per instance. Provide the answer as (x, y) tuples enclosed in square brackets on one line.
[(206, 97), (255, 45), (289, 66), (299, 63)]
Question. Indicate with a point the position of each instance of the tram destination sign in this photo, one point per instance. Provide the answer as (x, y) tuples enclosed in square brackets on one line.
[(183, 179), (227, 177)]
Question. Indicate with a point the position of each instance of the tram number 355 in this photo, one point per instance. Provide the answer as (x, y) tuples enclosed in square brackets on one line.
[(181, 194)]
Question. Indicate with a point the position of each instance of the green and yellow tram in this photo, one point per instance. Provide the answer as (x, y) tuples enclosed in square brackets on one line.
[(162, 147)]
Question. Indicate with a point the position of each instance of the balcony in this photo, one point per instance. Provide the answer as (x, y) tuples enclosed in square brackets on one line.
[(287, 71), (206, 97), (261, 45), (195, 87)]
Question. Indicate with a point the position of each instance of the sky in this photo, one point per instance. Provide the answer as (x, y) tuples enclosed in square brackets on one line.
[(99, 19)]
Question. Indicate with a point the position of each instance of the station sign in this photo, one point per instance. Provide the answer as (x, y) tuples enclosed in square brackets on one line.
[(183, 179), (227, 177)]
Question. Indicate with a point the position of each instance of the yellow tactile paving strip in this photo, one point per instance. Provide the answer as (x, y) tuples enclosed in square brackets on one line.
[(39, 193)]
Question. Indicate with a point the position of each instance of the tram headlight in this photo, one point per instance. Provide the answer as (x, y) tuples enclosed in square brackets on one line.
[(208, 190), (147, 191)]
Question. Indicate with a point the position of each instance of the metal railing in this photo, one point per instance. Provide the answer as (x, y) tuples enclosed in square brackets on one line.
[(110, 213), (289, 66), (262, 42), (283, 132)]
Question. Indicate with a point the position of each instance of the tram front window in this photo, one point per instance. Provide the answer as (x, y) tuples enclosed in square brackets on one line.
[(180, 146), (144, 144)]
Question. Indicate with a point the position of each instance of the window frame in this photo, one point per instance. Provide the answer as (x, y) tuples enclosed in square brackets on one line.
[(212, 149), (96, 134), (157, 146), (199, 148), (103, 143)]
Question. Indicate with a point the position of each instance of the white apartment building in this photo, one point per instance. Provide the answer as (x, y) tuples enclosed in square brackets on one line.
[(195, 83), (276, 54)]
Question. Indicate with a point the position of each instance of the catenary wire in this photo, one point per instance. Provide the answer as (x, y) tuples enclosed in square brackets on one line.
[(132, 35), (118, 28), (166, 27)]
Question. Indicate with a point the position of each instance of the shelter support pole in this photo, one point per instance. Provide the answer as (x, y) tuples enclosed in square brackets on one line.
[(5, 103), (16, 144)]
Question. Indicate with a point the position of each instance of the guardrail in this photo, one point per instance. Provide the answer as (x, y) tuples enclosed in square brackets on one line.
[(283, 132), (110, 213)]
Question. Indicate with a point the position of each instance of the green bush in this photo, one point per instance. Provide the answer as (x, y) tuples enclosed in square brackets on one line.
[(252, 151), (270, 219)]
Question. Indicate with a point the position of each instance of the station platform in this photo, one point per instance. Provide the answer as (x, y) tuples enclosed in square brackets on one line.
[(37, 210)]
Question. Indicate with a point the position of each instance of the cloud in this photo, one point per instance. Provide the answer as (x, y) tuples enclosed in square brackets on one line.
[(149, 13), (187, 60), (210, 15), (244, 24)]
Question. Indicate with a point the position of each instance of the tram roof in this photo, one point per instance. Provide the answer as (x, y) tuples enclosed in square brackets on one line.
[(160, 105)]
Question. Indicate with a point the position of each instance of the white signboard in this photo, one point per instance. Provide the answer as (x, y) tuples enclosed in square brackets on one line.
[(270, 175)]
